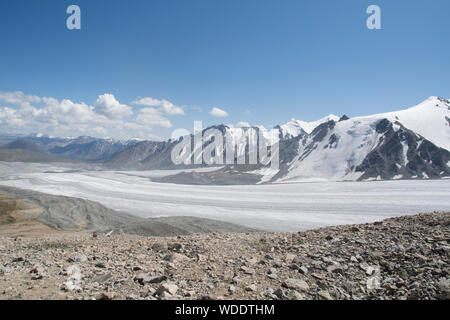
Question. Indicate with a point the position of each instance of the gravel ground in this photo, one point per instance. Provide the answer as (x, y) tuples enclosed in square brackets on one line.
[(399, 258)]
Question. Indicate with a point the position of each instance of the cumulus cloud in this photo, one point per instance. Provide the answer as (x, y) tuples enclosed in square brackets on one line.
[(24, 114), (147, 102), (100, 130), (18, 98), (243, 124), (66, 112), (10, 117), (169, 108), (216, 112), (152, 117), (165, 106), (52, 117), (107, 105)]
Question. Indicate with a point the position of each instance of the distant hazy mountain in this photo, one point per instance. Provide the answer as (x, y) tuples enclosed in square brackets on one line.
[(24, 145), (144, 155), (88, 150), (81, 148), (26, 151)]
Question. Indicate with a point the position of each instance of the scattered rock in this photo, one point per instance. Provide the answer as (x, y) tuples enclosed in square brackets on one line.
[(295, 295), (106, 296), (249, 271), (324, 295), (175, 247), (37, 270), (79, 257), (144, 278), (402, 258), (335, 269), (279, 294), (167, 287), (303, 270), (160, 246), (176, 257), (102, 278), (297, 284), (289, 258), (251, 288), (165, 295)]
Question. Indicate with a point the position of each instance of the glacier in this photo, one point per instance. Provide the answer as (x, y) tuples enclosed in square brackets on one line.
[(289, 206)]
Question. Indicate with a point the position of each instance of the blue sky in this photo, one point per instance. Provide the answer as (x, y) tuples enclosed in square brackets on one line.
[(261, 61)]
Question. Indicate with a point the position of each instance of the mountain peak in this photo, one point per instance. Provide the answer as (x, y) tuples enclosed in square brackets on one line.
[(296, 127), (435, 101)]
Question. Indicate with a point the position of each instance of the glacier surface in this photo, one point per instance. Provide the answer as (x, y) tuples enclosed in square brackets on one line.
[(274, 207)]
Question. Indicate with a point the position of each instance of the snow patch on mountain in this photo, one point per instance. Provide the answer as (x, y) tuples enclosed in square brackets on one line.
[(430, 119), (342, 148), (296, 127)]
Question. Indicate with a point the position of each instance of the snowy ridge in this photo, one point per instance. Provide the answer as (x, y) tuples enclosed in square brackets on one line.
[(430, 119), (394, 145), (337, 154), (295, 127)]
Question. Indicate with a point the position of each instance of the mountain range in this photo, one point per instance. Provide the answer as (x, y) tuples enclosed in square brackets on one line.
[(413, 143)]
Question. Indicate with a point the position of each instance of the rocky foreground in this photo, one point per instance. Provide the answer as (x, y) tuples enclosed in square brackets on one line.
[(399, 258)]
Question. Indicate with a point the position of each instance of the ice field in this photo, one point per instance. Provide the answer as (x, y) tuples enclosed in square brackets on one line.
[(274, 207)]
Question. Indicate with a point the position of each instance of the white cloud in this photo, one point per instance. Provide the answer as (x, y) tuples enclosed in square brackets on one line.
[(107, 105), (66, 112), (243, 124), (21, 113), (11, 118), (169, 108), (147, 102), (18, 98), (216, 112), (152, 117), (25, 114), (100, 130), (165, 106)]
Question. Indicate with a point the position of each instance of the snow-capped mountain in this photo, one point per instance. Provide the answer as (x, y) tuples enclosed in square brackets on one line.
[(412, 143), (295, 127), (149, 155), (408, 144), (430, 119)]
